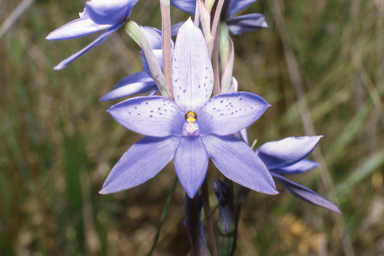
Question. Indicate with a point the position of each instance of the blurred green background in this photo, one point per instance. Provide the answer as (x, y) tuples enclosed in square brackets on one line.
[(321, 67)]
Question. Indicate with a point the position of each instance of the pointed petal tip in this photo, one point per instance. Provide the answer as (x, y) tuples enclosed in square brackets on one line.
[(191, 193), (103, 191), (104, 98), (264, 25), (270, 191), (336, 210), (59, 67)]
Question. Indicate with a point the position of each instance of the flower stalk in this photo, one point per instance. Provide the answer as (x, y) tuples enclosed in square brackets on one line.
[(166, 39)]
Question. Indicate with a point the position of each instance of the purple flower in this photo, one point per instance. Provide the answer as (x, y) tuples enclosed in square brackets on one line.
[(286, 156), (236, 25), (98, 15), (141, 82), (192, 129)]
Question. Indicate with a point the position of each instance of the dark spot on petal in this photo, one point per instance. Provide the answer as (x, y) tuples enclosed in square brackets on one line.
[(150, 116)]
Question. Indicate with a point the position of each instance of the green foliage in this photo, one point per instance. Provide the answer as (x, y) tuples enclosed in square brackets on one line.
[(58, 143)]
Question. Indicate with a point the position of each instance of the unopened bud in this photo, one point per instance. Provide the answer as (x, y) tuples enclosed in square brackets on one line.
[(226, 220), (134, 31)]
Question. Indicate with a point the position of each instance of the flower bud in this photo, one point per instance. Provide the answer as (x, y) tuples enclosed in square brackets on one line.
[(226, 220)]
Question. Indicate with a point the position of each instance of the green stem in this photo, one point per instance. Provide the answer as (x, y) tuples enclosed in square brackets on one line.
[(208, 218), (162, 217)]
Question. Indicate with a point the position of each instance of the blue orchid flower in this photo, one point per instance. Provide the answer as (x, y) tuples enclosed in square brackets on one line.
[(286, 156), (141, 82), (98, 15), (191, 129), (237, 25)]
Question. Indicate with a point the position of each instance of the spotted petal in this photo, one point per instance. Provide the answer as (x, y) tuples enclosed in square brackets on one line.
[(76, 28), (191, 69), (239, 163), (226, 114), (153, 36), (140, 163), (191, 164), (304, 193), (110, 11), (152, 116), (297, 168), (285, 152)]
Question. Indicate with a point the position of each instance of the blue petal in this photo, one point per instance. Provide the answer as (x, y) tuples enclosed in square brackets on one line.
[(285, 152), (191, 69), (159, 57), (140, 163), (110, 12), (239, 163), (152, 116), (228, 113), (153, 36), (76, 28), (191, 164), (133, 84), (299, 167), (96, 42), (129, 89), (236, 5), (154, 92), (185, 5), (242, 135), (304, 193), (175, 28), (140, 77), (246, 23)]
